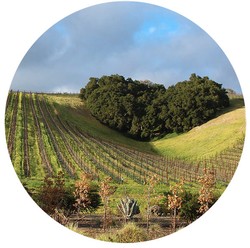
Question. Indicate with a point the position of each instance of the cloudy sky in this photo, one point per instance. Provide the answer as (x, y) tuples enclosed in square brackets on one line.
[(136, 40)]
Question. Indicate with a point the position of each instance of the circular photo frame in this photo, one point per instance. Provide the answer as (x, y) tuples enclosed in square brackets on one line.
[(127, 128)]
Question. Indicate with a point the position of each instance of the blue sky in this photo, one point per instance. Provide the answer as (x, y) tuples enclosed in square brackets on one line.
[(136, 40)]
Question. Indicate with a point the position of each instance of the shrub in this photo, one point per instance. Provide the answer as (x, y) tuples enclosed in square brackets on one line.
[(82, 193), (52, 193), (190, 207), (130, 233)]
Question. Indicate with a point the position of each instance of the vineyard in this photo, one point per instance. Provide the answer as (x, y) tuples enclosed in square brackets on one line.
[(68, 161), (42, 142)]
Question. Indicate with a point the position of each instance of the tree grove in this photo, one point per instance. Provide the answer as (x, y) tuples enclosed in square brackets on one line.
[(144, 110)]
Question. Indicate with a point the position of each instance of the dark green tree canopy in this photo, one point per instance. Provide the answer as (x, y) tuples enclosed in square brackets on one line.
[(194, 102), (145, 110)]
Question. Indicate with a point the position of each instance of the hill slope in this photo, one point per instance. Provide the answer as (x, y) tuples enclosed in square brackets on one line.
[(47, 133), (206, 140), (72, 109)]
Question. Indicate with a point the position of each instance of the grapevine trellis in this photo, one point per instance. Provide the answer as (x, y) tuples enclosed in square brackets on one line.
[(44, 157), (26, 163), (12, 129), (61, 157), (76, 151)]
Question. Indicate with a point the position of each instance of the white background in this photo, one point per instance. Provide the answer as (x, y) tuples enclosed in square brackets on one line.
[(23, 224)]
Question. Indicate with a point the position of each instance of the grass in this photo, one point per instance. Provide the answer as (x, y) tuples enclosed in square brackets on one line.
[(206, 140), (130, 233), (72, 108), (35, 159)]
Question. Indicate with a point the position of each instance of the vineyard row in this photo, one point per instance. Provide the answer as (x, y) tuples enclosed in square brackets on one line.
[(62, 145)]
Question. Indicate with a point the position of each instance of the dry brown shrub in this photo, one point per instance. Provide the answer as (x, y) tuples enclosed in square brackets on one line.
[(106, 190), (206, 195), (82, 193), (175, 200)]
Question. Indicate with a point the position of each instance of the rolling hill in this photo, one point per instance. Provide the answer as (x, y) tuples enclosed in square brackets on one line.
[(47, 133), (53, 139), (206, 140)]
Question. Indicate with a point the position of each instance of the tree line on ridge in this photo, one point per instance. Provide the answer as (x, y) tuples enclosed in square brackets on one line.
[(145, 110)]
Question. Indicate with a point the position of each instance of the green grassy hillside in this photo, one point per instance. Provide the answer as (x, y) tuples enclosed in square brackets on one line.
[(206, 140), (72, 109), (203, 141)]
